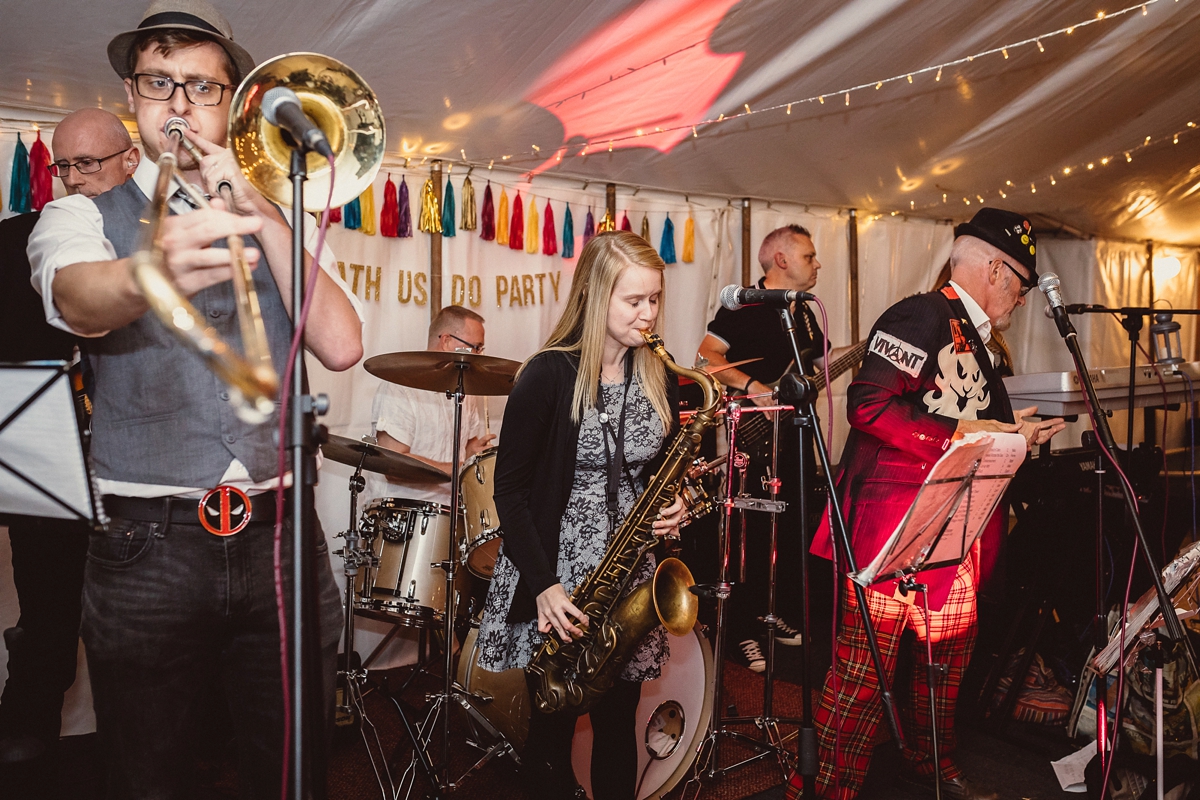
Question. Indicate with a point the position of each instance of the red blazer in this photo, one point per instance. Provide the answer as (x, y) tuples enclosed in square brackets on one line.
[(920, 376)]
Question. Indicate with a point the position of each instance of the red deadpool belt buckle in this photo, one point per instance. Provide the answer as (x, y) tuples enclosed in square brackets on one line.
[(224, 511)]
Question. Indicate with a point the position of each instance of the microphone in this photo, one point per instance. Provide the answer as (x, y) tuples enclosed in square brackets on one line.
[(734, 297), (281, 107), (1049, 284)]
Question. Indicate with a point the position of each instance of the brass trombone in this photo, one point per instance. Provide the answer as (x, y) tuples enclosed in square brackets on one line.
[(346, 109)]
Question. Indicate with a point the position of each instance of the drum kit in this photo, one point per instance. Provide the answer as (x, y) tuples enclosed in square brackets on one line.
[(410, 562)]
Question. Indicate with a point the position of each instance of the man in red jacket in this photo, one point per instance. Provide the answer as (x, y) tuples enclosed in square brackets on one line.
[(927, 379)]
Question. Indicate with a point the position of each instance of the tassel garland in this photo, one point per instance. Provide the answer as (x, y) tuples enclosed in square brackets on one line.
[(667, 248), (41, 182), (646, 228), (431, 220), (549, 237), (689, 240), (502, 219), (589, 227), (487, 217), (352, 215), (404, 227), (468, 205), (389, 218), (19, 194), (531, 227), (625, 223), (448, 210), (368, 210), (516, 228), (568, 237)]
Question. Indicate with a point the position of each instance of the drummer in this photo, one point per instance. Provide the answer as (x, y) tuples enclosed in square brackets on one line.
[(421, 423)]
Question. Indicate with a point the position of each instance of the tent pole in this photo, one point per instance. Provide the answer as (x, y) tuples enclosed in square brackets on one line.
[(746, 271), (852, 232), (435, 248)]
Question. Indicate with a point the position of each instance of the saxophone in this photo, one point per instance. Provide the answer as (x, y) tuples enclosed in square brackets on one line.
[(574, 675)]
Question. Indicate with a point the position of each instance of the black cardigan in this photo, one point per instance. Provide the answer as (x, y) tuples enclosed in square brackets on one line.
[(535, 468)]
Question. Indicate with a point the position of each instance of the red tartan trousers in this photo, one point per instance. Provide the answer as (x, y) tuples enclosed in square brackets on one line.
[(859, 702)]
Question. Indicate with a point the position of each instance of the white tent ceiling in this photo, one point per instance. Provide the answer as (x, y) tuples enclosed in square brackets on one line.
[(495, 79)]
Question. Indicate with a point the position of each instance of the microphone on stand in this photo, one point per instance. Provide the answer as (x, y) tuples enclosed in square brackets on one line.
[(734, 297), (281, 107), (1049, 284)]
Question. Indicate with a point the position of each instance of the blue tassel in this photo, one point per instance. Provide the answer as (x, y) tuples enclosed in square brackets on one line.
[(448, 210), (352, 215), (20, 196), (568, 236), (667, 248)]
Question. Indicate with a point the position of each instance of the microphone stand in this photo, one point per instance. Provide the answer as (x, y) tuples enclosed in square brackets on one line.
[(799, 392), (1172, 626)]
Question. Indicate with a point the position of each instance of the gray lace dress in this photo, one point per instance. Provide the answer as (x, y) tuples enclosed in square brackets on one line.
[(583, 539)]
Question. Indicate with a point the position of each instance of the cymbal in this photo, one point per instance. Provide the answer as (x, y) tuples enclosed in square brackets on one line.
[(438, 371), (399, 466), (722, 368)]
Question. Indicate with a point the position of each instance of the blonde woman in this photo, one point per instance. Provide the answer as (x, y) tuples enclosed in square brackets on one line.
[(588, 416)]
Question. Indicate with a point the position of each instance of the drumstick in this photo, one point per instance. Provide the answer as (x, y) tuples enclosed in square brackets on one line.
[(487, 418)]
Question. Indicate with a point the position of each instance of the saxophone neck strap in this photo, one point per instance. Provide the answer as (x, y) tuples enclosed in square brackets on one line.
[(615, 460)]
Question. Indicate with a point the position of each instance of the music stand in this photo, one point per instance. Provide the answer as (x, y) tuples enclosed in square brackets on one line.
[(951, 509), (44, 471)]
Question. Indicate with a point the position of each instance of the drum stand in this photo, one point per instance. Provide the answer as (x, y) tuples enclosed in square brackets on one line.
[(353, 677), (775, 743), (438, 706)]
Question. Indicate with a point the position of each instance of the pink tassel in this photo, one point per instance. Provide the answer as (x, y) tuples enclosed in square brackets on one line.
[(549, 236), (516, 230), (41, 182), (487, 216)]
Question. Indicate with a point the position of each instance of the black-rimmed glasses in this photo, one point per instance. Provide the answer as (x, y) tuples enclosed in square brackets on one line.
[(474, 348), (84, 166), (160, 87), (1027, 284)]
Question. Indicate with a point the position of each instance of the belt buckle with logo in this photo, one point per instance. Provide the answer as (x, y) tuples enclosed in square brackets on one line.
[(224, 511)]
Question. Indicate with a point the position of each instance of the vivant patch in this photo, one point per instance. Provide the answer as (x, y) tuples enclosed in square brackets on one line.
[(901, 354)]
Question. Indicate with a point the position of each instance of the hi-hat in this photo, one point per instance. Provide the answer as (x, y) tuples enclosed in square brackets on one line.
[(401, 467), (438, 371)]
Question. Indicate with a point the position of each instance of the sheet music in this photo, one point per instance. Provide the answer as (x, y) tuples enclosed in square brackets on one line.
[(42, 443), (943, 506)]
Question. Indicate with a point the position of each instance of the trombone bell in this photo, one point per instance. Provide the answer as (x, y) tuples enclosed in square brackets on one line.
[(337, 100)]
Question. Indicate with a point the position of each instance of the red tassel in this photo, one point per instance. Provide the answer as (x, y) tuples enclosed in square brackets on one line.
[(389, 218), (41, 182), (625, 226), (516, 231), (487, 216), (549, 236), (335, 214)]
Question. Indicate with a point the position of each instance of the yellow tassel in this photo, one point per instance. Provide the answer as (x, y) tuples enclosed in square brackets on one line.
[(607, 223), (502, 219), (367, 203), (533, 239), (431, 217), (689, 241), (646, 228), (469, 215)]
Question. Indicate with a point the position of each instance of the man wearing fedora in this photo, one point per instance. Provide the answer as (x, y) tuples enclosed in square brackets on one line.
[(928, 378), (176, 598)]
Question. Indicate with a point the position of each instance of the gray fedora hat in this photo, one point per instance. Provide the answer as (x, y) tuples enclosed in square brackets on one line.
[(198, 16)]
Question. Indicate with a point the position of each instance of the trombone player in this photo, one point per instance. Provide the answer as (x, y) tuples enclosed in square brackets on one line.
[(179, 592)]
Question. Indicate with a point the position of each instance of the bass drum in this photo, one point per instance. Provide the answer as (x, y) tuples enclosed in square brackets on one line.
[(672, 715)]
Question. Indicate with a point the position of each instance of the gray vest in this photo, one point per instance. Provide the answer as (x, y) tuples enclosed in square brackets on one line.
[(160, 415)]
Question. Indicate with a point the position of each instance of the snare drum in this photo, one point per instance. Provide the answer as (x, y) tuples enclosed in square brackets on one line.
[(477, 483), (410, 538)]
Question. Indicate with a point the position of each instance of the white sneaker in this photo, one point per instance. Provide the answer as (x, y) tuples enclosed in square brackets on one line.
[(786, 634), (752, 656)]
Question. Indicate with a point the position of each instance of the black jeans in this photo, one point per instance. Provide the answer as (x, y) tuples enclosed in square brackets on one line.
[(171, 608), (546, 759), (47, 564)]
